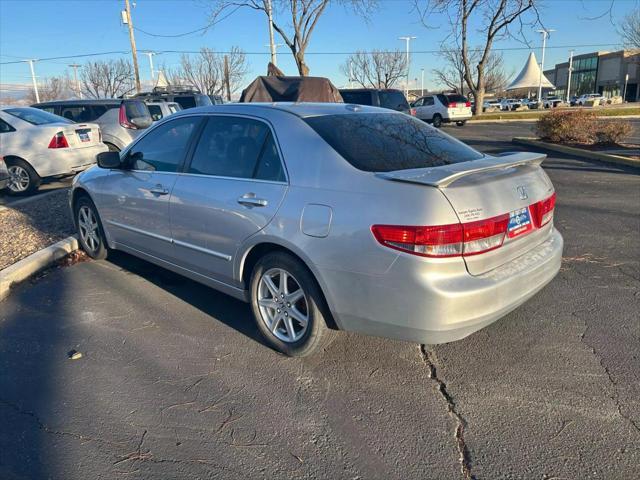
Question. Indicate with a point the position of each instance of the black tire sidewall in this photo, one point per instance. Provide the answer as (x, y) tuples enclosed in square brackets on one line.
[(317, 329), (102, 251), (34, 178), (437, 121)]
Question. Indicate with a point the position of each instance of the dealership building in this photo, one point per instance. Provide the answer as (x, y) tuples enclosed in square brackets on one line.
[(599, 72)]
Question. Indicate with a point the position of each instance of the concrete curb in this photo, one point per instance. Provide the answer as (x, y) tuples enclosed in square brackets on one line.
[(35, 262), (578, 152), (534, 119)]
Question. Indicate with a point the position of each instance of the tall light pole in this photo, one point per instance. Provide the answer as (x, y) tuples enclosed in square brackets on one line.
[(569, 76), (272, 44), (273, 47), (134, 52), (422, 84), (545, 33), (407, 40), (624, 94), (75, 76), (150, 55), (33, 78)]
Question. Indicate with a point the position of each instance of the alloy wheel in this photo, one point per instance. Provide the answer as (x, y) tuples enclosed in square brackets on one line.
[(18, 179), (88, 227), (283, 305)]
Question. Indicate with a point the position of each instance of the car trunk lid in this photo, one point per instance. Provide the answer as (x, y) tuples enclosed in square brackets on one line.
[(506, 187), (82, 135)]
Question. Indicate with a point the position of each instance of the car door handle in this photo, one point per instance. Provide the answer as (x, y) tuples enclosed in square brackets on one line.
[(159, 190), (250, 200)]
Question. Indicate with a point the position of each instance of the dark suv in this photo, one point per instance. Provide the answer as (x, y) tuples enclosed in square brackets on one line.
[(186, 97), (120, 121), (385, 98)]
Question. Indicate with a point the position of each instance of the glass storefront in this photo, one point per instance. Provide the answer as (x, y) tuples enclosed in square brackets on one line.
[(583, 77)]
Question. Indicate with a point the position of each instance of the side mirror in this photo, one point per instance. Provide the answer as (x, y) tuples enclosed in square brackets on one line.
[(142, 122), (109, 160)]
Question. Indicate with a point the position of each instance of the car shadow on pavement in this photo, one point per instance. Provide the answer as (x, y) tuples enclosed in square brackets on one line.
[(233, 313)]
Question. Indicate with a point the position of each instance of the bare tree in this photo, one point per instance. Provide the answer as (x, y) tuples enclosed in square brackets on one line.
[(303, 16), (451, 75), (107, 79), (51, 88), (376, 69), (496, 19), (629, 29), (206, 71)]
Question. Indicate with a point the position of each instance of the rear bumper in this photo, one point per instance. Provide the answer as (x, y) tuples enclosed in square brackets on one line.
[(419, 302), (63, 161), (457, 117)]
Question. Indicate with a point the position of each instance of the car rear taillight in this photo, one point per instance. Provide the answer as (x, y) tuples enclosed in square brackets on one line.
[(412, 112), (453, 240), (468, 104), (452, 105), (123, 119), (542, 211), (58, 141)]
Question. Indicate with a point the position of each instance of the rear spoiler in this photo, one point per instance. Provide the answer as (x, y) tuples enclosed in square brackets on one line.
[(442, 177)]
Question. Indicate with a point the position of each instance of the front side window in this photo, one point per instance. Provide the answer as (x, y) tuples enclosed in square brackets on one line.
[(35, 116), (384, 142), (237, 147), (428, 101), (5, 127), (163, 148)]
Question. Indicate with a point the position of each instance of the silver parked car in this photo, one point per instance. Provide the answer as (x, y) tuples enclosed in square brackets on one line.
[(328, 216), (121, 121)]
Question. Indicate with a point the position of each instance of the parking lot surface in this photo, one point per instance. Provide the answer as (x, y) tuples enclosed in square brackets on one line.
[(174, 381)]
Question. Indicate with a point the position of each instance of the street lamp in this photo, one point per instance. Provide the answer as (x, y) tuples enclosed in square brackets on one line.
[(422, 84), (545, 33), (407, 40)]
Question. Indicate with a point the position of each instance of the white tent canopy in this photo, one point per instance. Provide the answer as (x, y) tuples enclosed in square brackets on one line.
[(529, 76)]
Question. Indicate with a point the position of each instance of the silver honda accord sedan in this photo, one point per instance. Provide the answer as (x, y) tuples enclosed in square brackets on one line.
[(328, 217)]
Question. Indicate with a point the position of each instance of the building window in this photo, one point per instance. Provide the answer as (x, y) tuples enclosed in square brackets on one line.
[(583, 77)]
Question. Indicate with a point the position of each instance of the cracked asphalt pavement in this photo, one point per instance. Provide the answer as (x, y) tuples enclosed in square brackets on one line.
[(174, 381)]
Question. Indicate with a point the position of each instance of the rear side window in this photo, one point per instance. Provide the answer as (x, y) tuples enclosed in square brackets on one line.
[(394, 100), (155, 111), (383, 142), (358, 98), (163, 148), (136, 109), (5, 127), (78, 113), (35, 116), (236, 147)]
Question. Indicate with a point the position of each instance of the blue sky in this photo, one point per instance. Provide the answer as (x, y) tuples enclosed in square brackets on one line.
[(48, 28)]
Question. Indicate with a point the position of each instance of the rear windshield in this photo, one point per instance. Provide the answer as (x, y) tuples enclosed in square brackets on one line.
[(35, 116), (136, 109), (395, 100), (383, 142), (447, 99), (357, 98)]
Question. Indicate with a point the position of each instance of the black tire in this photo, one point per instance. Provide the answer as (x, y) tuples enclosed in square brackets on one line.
[(437, 120), (17, 165), (461, 123), (317, 335), (99, 251)]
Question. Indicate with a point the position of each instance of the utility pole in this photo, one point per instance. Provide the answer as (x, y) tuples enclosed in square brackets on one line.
[(132, 39), (407, 40), (545, 33), (226, 77), (33, 79), (272, 44), (150, 55), (75, 76), (422, 84), (569, 76)]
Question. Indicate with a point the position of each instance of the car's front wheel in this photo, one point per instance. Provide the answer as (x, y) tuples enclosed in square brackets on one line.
[(288, 306), (90, 232), (23, 179)]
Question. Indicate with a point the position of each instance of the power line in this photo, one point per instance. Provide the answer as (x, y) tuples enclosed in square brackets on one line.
[(201, 29), (126, 52)]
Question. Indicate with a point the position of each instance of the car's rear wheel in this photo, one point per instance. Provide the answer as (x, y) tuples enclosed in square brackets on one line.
[(461, 123), (23, 179), (437, 120), (288, 306), (90, 232)]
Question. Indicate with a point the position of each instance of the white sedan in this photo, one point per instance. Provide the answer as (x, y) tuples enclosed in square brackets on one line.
[(36, 144)]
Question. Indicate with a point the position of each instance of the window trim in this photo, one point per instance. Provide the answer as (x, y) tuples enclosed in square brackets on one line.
[(11, 127), (187, 164)]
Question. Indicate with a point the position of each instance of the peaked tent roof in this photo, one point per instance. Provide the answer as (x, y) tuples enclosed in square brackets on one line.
[(529, 76)]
